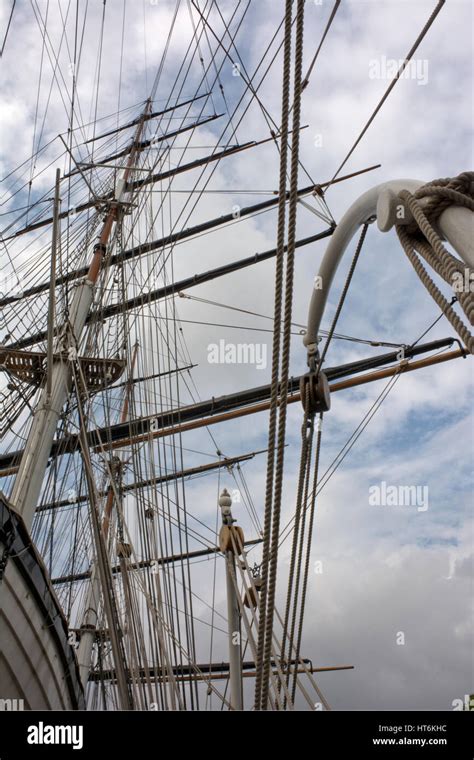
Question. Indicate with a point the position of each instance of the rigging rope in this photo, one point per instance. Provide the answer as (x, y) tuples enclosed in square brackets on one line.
[(290, 259), (392, 84), (299, 531), (275, 353), (307, 434), (425, 243), (308, 554), (343, 294)]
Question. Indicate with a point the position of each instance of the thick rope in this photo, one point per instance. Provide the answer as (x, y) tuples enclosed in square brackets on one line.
[(275, 351), (442, 193), (308, 550), (307, 429), (296, 570), (448, 270), (304, 454), (426, 242), (293, 205), (434, 291)]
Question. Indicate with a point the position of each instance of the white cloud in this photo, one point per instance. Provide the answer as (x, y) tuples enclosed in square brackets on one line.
[(384, 572)]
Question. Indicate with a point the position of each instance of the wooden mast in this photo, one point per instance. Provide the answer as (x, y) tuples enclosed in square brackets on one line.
[(29, 480)]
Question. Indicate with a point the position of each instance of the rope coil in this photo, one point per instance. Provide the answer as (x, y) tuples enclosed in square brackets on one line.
[(422, 241)]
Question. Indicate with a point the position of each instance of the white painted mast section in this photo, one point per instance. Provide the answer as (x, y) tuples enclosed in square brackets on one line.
[(233, 612), (456, 224), (29, 479), (88, 630)]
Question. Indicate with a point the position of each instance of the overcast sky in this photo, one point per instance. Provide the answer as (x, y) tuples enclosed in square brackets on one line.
[(386, 570)]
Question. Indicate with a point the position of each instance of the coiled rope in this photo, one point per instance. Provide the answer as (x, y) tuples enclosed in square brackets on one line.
[(421, 241)]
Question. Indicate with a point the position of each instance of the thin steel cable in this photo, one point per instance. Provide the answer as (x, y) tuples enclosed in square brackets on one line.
[(343, 295), (392, 84)]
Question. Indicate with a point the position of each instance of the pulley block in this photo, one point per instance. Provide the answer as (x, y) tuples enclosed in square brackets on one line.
[(315, 394)]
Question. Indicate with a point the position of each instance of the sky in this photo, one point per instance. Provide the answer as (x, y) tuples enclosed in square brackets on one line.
[(390, 588)]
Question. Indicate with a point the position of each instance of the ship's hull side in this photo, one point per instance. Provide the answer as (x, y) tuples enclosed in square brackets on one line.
[(38, 669)]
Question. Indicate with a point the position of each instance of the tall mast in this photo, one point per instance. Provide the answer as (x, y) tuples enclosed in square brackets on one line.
[(52, 285), (29, 480), (90, 619)]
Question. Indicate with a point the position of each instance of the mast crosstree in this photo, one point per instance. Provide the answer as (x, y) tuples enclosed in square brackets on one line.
[(143, 592)]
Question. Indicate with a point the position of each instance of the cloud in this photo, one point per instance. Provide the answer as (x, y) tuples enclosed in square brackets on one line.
[(385, 571)]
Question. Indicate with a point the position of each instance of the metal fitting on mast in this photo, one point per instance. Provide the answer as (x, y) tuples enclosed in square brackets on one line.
[(231, 537), (231, 540), (100, 248)]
